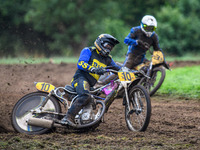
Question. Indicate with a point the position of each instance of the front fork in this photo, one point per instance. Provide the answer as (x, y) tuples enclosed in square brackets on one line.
[(148, 78), (128, 101), (127, 97)]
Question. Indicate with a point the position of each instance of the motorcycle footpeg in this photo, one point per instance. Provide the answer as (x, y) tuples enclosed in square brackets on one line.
[(62, 122)]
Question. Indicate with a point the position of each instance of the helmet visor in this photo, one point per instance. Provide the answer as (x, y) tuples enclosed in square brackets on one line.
[(107, 46), (149, 28)]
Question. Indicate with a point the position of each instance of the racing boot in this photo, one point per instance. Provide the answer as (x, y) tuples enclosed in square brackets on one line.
[(72, 112), (75, 108), (69, 119)]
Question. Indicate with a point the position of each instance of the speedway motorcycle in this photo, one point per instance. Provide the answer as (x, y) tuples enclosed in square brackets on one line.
[(155, 71), (40, 112)]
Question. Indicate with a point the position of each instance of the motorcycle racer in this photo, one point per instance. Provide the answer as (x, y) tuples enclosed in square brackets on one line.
[(90, 67), (139, 40)]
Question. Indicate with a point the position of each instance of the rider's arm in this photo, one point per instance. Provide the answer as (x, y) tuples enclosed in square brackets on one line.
[(84, 59), (130, 39), (156, 45), (116, 67)]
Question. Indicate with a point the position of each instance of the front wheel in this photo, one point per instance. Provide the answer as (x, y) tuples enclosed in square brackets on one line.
[(155, 82), (22, 111), (138, 112)]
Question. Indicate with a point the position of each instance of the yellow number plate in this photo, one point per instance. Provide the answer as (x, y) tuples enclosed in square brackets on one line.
[(157, 57), (45, 87), (126, 76)]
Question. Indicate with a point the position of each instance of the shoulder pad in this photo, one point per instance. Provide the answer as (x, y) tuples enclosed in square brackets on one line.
[(110, 56), (136, 28), (91, 48)]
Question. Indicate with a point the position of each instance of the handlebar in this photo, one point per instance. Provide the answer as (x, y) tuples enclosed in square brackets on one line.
[(136, 72), (111, 70)]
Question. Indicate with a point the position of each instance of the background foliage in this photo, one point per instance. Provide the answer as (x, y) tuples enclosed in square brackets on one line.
[(59, 27)]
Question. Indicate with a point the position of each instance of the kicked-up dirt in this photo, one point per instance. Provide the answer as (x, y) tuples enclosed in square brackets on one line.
[(175, 121)]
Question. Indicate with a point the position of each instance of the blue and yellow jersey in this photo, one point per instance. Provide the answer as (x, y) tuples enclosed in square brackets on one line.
[(90, 58)]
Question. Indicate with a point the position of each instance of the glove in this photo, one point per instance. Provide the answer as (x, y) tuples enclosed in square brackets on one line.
[(143, 45), (99, 71)]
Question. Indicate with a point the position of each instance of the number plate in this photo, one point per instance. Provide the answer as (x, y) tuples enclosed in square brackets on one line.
[(126, 76), (45, 87), (157, 57)]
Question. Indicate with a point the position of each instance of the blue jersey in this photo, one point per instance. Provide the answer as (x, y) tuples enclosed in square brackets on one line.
[(135, 34), (90, 58)]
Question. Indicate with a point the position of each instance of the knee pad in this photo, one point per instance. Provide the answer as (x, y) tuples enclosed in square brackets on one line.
[(84, 99)]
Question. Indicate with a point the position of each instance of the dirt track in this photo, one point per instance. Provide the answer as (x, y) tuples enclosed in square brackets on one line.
[(175, 122)]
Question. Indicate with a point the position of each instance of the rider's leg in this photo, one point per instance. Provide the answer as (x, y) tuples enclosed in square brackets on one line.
[(132, 60), (82, 89)]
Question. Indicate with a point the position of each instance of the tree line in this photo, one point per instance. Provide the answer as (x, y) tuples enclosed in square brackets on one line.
[(45, 28)]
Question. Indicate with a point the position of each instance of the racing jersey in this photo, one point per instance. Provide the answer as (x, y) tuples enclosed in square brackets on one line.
[(88, 59), (136, 33)]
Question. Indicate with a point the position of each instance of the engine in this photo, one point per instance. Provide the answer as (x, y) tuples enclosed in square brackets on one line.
[(86, 115)]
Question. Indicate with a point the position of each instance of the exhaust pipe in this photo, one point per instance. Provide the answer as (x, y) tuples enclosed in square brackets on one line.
[(42, 123)]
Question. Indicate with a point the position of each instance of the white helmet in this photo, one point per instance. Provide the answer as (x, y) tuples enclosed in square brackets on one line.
[(148, 25)]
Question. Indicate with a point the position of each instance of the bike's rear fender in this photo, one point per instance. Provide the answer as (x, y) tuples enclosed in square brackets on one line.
[(135, 82), (164, 64)]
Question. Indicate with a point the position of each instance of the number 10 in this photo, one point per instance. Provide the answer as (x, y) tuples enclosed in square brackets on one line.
[(127, 76), (45, 87)]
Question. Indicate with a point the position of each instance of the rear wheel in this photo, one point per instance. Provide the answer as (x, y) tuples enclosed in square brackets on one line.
[(22, 111), (138, 112)]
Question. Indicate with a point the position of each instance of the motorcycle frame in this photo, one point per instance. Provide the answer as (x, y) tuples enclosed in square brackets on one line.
[(108, 100)]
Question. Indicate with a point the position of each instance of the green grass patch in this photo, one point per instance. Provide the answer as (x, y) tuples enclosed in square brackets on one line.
[(3, 145), (182, 82), (57, 60)]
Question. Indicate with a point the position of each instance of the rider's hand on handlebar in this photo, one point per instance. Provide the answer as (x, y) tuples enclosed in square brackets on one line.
[(143, 45), (99, 71)]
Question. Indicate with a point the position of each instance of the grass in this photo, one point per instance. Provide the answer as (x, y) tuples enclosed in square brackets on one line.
[(57, 60), (182, 82)]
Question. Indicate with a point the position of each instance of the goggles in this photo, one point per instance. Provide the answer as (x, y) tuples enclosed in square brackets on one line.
[(107, 46), (149, 28)]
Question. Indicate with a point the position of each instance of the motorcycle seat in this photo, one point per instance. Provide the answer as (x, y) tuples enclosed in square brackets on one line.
[(71, 89)]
